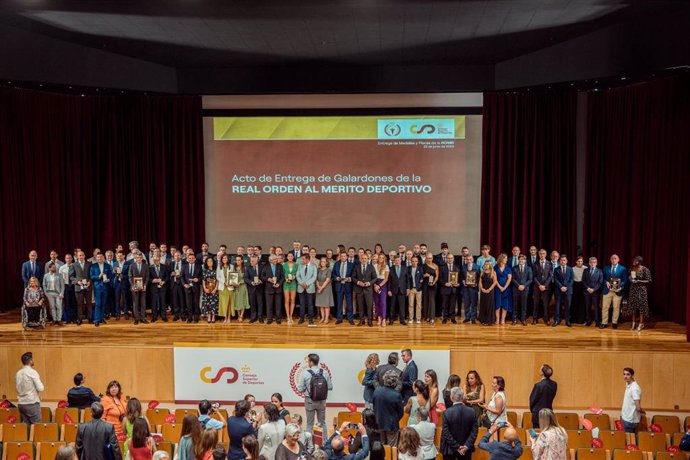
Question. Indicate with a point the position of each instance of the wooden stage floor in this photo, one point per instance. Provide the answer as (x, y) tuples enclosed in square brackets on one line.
[(661, 337)]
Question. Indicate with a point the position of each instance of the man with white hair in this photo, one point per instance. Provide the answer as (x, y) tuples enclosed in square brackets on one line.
[(388, 406), (459, 429)]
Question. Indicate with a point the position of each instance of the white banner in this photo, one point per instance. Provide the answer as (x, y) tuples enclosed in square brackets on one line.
[(227, 373)]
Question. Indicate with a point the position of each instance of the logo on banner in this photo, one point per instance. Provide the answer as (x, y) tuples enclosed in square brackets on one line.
[(206, 374), (416, 128), (296, 374)]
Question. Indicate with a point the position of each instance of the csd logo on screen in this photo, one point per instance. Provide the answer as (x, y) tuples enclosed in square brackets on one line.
[(230, 375), (424, 129)]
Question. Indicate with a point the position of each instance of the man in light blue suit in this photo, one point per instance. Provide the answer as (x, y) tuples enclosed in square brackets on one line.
[(342, 280), (101, 275), (306, 289), (615, 279), (563, 277)]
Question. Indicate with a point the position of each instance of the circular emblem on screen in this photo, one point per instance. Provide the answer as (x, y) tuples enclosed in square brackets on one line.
[(392, 129)]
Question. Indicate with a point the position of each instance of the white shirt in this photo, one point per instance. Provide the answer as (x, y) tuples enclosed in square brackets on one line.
[(577, 273), (633, 393), (64, 271), (427, 435), (28, 385)]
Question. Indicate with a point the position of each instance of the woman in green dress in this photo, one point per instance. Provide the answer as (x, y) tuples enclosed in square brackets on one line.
[(290, 285), (224, 292), (133, 413), (241, 300)]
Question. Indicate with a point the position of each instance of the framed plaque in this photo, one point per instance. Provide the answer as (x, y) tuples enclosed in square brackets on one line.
[(211, 283), (117, 270), (615, 284), (431, 280), (138, 283), (233, 280), (453, 278), (471, 278)]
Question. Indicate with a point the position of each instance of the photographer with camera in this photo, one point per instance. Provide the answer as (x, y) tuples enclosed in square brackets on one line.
[(209, 418)]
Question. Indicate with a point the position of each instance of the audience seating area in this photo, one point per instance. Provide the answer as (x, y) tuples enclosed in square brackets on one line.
[(42, 440)]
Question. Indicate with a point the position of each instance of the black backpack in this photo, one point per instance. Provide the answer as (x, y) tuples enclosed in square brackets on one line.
[(318, 386)]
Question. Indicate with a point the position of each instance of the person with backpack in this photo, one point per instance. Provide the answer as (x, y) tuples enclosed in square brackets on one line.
[(209, 417), (315, 383)]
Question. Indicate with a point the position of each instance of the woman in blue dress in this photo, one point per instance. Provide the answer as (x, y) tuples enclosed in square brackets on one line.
[(502, 295)]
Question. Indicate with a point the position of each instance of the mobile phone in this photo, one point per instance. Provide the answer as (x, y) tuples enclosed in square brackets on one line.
[(353, 426), (532, 433)]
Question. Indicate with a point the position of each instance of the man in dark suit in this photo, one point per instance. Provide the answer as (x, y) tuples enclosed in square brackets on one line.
[(255, 288), (541, 277), (159, 276), (592, 280), (204, 252), (564, 278), (388, 406), (543, 394), (408, 376), (138, 269), (192, 288), (397, 290), (522, 280), (273, 277), (363, 277), (101, 274), (82, 289), (392, 364), (470, 293), (449, 290), (440, 258), (342, 280), (459, 429), (96, 437), (32, 268), (175, 270)]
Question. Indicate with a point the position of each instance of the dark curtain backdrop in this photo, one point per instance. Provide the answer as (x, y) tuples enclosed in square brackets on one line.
[(528, 171), (636, 199), (95, 171)]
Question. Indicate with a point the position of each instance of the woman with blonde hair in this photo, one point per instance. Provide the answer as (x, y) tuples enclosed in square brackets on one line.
[(381, 289), (369, 379), (552, 442), (34, 308), (409, 445)]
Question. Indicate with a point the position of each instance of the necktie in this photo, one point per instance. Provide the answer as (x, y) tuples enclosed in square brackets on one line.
[(397, 271), (522, 269), (158, 273), (563, 268), (33, 268), (305, 270), (343, 270), (177, 267), (613, 270), (273, 269), (191, 270), (139, 268)]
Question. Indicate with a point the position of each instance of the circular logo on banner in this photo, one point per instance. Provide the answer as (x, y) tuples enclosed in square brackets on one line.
[(392, 129), (296, 374)]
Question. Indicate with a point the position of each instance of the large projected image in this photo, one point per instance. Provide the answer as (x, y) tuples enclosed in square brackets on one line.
[(351, 179)]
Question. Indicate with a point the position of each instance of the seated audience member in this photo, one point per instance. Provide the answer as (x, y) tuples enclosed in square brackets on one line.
[(160, 455), (335, 446), (291, 448), (508, 449), (685, 441), (209, 417), (427, 434), (250, 446), (66, 453), (409, 445), (305, 437), (219, 453), (80, 396)]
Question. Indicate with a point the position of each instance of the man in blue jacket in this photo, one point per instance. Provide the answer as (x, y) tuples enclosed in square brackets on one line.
[(335, 446)]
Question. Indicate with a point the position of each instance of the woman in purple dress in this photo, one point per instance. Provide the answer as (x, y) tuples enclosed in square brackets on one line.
[(380, 288)]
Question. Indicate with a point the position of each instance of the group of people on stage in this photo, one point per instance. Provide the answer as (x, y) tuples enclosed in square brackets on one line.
[(405, 285)]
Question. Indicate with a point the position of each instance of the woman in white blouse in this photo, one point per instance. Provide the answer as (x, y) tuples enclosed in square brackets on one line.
[(271, 433)]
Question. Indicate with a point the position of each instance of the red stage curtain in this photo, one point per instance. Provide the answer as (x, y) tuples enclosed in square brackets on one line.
[(529, 171), (94, 171), (636, 199)]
